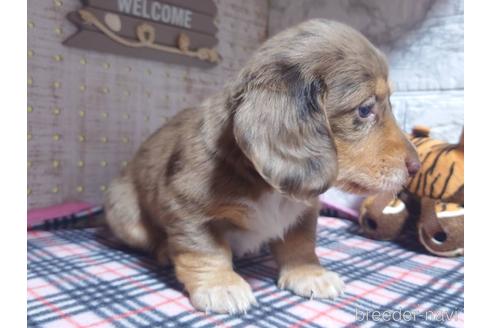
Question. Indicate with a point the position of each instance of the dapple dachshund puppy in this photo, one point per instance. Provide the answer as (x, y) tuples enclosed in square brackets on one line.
[(310, 110)]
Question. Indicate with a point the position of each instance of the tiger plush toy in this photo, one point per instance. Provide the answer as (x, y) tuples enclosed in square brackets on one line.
[(433, 198)]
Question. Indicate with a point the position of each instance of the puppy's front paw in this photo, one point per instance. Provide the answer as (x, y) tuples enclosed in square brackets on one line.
[(312, 281), (229, 294)]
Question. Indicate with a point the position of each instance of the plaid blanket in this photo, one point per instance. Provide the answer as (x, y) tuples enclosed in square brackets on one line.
[(80, 278)]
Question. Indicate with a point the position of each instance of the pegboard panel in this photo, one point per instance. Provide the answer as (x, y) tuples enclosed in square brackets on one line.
[(88, 112)]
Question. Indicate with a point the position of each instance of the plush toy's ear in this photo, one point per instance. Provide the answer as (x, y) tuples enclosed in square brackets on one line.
[(420, 131), (461, 144), (283, 130)]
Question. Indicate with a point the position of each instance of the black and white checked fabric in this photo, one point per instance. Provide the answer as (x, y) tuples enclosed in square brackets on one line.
[(80, 278)]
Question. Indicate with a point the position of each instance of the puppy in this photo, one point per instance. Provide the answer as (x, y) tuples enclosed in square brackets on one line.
[(310, 110)]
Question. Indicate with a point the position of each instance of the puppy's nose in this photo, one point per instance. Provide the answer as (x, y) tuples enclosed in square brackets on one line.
[(413, 166)]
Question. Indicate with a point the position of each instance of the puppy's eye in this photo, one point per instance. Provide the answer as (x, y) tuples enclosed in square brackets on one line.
[(365, 110)]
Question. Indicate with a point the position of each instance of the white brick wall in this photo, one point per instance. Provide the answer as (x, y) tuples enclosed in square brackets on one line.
[(427, 70), (423, 40)]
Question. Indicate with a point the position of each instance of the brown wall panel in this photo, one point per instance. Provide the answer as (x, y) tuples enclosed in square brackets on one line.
[(165, 34)]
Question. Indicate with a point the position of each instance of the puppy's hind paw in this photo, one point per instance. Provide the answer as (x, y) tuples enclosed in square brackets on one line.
[(312, 281), (234, 297)]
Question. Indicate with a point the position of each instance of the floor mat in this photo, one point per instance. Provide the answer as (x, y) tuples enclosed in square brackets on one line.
[(79, 278)]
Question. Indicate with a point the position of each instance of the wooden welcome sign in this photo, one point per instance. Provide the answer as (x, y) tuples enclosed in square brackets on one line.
[(177, 31)]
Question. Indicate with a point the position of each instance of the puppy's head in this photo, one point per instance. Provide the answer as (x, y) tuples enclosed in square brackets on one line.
[(311, 110)]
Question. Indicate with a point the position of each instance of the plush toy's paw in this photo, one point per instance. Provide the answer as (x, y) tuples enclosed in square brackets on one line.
[(229, 295), (382, 216), (440, 227), (311, 281)]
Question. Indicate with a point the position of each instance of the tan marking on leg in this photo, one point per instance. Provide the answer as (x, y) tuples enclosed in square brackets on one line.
[(299, 266), (212, 284)]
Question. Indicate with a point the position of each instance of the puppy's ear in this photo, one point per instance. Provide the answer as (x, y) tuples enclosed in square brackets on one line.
[(281, 127)]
